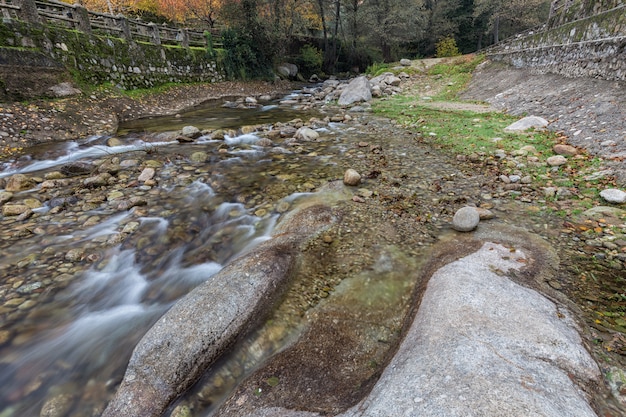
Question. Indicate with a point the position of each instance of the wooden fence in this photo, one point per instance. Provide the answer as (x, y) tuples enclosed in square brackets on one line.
[(75, 16)]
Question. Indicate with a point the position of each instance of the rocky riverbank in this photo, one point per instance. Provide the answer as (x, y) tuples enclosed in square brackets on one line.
[(24, 124), (409, 189)]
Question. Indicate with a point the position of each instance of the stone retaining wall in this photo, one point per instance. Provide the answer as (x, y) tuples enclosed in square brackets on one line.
[(591, 47), (97, 59)]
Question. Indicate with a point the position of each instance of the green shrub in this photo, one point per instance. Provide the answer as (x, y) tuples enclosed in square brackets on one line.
[(446, 47), (242, 57), (377, 68), (310, 60)]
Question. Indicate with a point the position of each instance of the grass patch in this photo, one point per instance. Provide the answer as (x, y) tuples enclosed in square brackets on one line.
[(467, 133), (377, 68), (456, 73), (462, 132)]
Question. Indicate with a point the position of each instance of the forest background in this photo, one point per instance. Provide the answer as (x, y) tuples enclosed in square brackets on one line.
[(334, 36)]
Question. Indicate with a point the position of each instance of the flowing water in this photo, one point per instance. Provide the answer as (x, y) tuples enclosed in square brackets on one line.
[(84, 279), (83, 284)]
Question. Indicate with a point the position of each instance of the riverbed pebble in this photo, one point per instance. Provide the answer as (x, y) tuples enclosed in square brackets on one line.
[(14, 209), (556, 160), (5, 196), (197, 157), (465, 219), (306, 134), (191, 132), (146, 174), (19, 182), (566, 150), (351, 177), (112, 142)]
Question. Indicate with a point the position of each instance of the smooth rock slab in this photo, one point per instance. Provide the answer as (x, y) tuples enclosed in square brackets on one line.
[(482, 345)]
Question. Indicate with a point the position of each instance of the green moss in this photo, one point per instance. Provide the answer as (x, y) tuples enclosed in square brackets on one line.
[(90, 58)]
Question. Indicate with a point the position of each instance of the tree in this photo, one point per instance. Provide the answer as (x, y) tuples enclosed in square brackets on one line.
[(439, 23), (512, 15), (204, 11), (330, 9), (391, 23)]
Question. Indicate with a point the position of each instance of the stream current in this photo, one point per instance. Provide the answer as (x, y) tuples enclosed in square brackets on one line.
[(96, 265)]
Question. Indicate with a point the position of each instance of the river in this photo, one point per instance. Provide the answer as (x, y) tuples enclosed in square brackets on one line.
[(97, 262)]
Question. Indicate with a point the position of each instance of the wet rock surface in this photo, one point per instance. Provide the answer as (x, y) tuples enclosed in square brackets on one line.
[(463, 357)]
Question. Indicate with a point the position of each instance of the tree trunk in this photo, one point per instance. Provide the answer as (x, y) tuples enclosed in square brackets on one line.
[(335, 34), (327, 59), (355, 23), (496, 29), (386, 50)]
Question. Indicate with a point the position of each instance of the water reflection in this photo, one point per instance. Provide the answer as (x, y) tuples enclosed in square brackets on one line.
[(211, 115)]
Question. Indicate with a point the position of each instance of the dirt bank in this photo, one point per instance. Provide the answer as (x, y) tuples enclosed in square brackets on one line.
[(590, 112)]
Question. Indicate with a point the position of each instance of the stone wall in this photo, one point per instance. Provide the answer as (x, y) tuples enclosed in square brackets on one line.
[(564, 11), (594, 46), (96, 59)]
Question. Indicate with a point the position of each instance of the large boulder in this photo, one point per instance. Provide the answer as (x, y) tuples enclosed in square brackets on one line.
[(357, 90), (199, 328), (483, 345), (287, 70), (379, 79)]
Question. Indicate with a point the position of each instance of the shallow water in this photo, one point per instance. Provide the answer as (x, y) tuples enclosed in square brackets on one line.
[(70, 322)]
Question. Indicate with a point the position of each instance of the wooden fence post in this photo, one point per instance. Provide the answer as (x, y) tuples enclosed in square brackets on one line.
[(183, 37), (28, 11), (154, 33), (82, 16)]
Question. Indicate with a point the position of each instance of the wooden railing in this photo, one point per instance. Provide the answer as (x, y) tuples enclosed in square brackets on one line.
[(75, 16)]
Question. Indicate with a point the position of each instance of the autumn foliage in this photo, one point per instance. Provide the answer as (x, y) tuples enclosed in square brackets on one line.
[(201, 11), (347, 35)]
